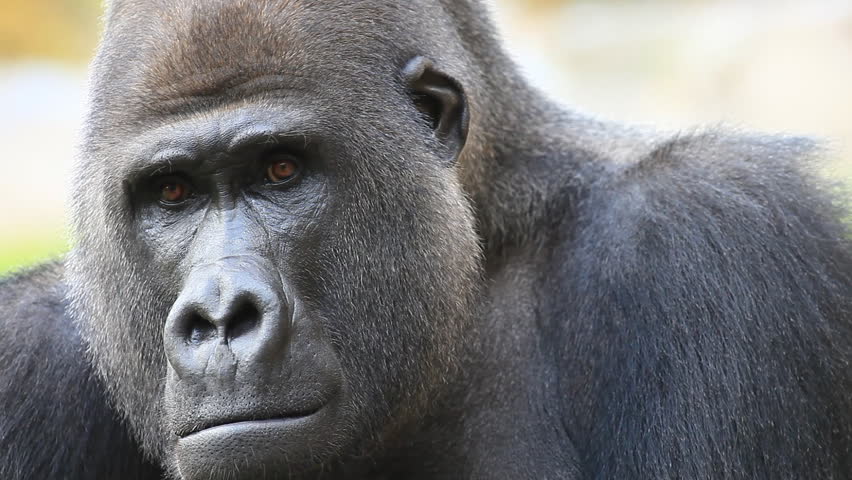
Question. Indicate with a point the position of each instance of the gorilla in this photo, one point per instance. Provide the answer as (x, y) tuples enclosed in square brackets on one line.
[(346, 239)]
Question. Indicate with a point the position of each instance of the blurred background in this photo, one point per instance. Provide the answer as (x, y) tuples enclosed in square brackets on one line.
[(770, 65)]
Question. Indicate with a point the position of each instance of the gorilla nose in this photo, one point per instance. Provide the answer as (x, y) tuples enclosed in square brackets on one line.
[(199, 324), (225, 315)]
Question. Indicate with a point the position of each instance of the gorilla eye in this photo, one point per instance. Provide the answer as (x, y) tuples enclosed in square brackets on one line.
[(173, 191), (281, 169)]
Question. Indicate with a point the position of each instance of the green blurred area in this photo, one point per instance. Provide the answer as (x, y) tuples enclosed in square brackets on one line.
[(31, 248)]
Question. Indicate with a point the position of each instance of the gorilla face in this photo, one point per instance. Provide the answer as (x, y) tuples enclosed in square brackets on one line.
[(275, 262)]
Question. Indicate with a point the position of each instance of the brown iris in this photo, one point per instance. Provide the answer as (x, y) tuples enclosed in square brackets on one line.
[(173, 191), (282, 169)]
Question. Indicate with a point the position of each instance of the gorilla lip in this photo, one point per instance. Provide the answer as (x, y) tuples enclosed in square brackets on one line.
[(247, 420)]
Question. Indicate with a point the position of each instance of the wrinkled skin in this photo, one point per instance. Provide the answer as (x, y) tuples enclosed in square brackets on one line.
[(347, 240)]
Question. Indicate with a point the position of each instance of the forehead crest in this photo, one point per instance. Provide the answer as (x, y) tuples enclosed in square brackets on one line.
[(201, 47)]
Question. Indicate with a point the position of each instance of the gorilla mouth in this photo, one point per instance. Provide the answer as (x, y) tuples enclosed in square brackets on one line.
[(246, 419)]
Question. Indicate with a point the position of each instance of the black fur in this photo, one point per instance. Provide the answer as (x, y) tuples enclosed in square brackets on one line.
[(56, 422), (710, 283), (513, 291)]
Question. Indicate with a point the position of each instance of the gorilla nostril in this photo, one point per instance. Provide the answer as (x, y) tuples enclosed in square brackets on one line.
[(199, 329), (244, 319)]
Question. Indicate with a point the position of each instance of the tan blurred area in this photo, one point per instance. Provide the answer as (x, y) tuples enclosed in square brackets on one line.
[(754, 64), (777, 66)]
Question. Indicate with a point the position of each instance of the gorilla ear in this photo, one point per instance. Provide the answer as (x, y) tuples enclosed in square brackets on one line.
[(441, 100)]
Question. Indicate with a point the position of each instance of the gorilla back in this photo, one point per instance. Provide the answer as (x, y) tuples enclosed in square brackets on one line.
[(346, 239)]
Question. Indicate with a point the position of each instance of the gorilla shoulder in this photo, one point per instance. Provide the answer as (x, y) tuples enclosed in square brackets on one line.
[(54, 419), (698, 264), (718, 182)]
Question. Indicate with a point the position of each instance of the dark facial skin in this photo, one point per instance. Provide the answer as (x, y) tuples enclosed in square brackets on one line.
[(250, 361), (253, 343), (256, 340)]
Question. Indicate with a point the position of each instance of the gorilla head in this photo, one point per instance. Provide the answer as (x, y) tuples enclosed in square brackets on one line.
[(276, 261)]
